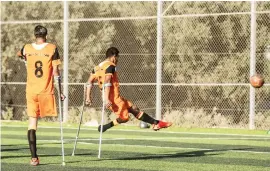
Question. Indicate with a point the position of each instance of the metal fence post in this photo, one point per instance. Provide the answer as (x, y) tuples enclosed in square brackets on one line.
[(65, 69), (0, 58), (159, 60), (252, 63)]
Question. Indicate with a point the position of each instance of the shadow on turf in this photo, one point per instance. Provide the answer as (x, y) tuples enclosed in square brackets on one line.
[(176, 155), (41, 155), (4, 149), (83, 154), (13, 149), (59, 163)]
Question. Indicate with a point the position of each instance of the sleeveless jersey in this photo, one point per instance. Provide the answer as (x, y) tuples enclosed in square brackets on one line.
[(40, 68), (100, 73)]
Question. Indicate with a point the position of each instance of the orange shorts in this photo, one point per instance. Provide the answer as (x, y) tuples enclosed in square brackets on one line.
[(41, 105), (120, 108)]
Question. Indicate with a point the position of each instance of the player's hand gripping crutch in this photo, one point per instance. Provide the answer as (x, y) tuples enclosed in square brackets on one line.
[(81, 117), (102, 120), (60, 99)]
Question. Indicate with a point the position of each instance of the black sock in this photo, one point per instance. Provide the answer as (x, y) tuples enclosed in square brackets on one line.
[(32, 142), (148, 119), (105, 127)]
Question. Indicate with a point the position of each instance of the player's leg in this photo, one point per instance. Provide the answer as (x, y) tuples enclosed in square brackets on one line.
[(121, 110), (112, 124), (157, 124), (142, 115), (32, 140), (33, 112)]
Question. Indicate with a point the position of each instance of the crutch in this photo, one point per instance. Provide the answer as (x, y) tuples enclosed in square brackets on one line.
[(102, 120), (81, 117), (61, 119)]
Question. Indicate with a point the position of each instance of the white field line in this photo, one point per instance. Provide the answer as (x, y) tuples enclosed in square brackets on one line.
[(145, 131), (158, 138), (181, 148), (168, 138)]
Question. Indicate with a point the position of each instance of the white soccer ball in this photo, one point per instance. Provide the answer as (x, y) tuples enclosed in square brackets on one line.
[(144, 125)]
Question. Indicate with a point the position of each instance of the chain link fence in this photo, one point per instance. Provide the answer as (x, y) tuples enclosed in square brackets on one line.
[(205, 61)]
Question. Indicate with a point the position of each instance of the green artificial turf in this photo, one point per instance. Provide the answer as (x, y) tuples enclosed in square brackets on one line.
[(130, 148)]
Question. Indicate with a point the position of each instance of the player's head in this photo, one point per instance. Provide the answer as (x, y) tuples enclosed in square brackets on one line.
[(112, 53), (40, 32)]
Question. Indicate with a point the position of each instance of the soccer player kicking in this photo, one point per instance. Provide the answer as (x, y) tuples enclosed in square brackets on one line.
[(105, 75), (42, 66)]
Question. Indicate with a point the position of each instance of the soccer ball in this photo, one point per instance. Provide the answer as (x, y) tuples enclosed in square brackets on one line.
[(144, 125), (256, 81)]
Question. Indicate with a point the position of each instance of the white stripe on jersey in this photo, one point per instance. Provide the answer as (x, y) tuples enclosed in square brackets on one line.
[(39, 46)]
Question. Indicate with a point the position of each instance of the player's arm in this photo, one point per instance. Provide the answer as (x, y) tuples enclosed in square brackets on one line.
[(56, 73), (57, 80), (89, 86), (107, 86), (21, 54), (108, 83)]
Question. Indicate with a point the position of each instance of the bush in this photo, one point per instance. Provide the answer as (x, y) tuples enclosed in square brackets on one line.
[(24, 115), (88, 115), (7, 114), (196, 118), (262, 120)]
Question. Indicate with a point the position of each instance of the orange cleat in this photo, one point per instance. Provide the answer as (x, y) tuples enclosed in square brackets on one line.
[(161, 124), (34, 161)]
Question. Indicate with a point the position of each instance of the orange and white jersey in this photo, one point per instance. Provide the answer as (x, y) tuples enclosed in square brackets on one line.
[(103, 69), (40, 61)]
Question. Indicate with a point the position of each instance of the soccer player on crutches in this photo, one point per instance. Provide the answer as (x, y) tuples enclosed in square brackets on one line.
[(43, 61), (106, 76)]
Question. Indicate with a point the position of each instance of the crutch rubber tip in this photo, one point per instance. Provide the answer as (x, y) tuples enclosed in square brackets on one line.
[(63, 163)]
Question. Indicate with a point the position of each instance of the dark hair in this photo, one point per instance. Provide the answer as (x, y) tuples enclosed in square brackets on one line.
[(40, 31), (112, 51)]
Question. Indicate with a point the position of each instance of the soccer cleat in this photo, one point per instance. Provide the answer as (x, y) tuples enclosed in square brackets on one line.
[(161, 124), (34, 161)]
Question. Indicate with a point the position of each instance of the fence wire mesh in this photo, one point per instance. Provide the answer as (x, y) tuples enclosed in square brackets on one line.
[(205, 62)]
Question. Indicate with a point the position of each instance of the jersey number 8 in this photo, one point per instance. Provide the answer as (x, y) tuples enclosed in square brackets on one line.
[(38, 71)]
